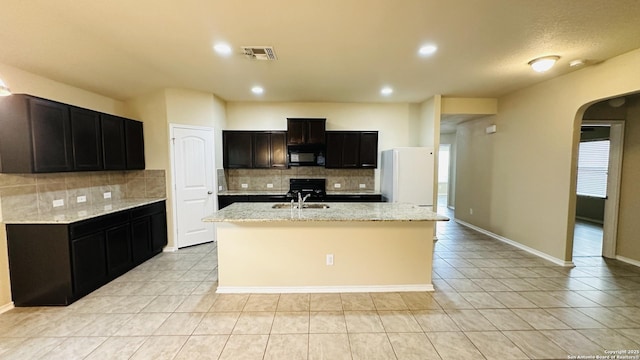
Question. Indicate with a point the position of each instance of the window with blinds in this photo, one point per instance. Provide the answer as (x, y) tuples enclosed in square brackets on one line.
[(593, 163)]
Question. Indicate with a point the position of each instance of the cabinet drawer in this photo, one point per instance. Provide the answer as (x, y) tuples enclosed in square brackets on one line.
[(148, 210), (100, 223)]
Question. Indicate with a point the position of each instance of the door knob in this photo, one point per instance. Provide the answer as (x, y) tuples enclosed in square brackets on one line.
[(209, 192)]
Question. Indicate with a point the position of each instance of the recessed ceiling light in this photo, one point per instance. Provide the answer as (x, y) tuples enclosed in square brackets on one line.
[(222, 48), (386, 91), (544, 63), (257, 90), (427, 50)]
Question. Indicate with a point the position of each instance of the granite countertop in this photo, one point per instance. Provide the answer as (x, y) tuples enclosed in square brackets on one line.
[(68, 216), (254, 192), (263, 212)]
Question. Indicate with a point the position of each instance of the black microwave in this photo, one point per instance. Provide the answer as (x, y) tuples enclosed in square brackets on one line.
[(306, 155)]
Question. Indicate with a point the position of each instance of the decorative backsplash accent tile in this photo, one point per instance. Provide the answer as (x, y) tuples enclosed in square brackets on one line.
[(258, 179), (28, 193)]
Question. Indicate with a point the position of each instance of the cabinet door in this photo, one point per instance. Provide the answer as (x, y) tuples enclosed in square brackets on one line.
[(335, 142), (351, 149), (261, 150), (87, 139), (237, 149), (118, 243), (158, 231), (279, 149), (369, 149), (51, 136), (315, 131), (141, 240), (296, 130), (89, 263), (113, 143), (134, 140)]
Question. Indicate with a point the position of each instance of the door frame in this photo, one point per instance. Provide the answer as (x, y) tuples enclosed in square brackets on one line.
[(614, 176), (173, 188)]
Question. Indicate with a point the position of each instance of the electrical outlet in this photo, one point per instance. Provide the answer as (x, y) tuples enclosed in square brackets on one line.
[(269, 186), (363, 186), (337, 185), (329, 259), (81, 199), (58, 202), (244, 186), (470, 211), (107, 194)]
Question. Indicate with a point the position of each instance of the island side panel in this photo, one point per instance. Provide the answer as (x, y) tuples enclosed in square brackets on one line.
[(291, 256)]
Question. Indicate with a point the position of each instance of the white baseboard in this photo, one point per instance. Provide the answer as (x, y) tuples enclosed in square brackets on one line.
[(321, 289), (170, 249), (628, 261), (533, 251), (6, 307)]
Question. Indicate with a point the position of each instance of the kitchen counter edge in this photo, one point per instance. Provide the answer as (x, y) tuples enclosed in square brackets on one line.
[(69, 216), (263, 212)]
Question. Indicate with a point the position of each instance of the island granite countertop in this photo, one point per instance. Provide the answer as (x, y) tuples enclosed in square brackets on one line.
[(264, 212), (71, 215)]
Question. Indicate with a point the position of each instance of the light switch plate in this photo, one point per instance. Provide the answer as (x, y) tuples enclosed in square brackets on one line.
[(81, 199), (58, 202), (107, 195)]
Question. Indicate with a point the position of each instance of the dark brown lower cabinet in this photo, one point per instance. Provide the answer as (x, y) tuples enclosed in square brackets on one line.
[(56, 264)]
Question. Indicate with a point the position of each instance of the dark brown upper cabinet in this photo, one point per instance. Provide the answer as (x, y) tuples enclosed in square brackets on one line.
[(352, 149), (134, 144), (113, 143), (305, 131), (42, 136), (35, 135), (254, 149), (87, 139)]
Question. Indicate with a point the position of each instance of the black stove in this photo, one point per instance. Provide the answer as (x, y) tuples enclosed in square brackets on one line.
[(315, 188)]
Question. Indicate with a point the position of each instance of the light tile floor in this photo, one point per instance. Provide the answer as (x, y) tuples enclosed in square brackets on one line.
[(587, 239), (492, 301)]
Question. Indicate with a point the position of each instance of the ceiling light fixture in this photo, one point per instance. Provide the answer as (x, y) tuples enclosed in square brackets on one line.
[(427, 50), (386, 91), (544, 63), (4, 89), (222, 49), (257, 90)]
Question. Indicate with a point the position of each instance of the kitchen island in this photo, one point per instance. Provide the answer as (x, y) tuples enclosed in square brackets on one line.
[(347, 247)]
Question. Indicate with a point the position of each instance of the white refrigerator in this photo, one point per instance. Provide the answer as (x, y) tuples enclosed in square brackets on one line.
[(407, 175)]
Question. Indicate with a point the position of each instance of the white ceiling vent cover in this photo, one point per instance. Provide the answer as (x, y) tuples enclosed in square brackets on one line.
[(259, 52)]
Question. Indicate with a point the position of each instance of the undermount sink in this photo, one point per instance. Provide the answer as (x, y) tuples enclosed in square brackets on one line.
[(304, 206)]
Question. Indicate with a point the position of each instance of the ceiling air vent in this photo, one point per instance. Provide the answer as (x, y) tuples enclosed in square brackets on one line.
[(259, 52)]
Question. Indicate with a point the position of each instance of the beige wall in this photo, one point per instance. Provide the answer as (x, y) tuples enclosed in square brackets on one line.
[(23, 82), (520, 181), (628, 244), (176, 106)]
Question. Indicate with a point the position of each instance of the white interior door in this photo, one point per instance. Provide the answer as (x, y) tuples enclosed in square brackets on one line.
[(194, 181)]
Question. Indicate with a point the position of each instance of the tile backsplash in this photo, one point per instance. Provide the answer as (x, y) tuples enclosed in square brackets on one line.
[(36, 192), (349, 180)]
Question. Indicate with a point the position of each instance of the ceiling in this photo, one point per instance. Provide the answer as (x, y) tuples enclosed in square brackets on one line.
[(329, 50)]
